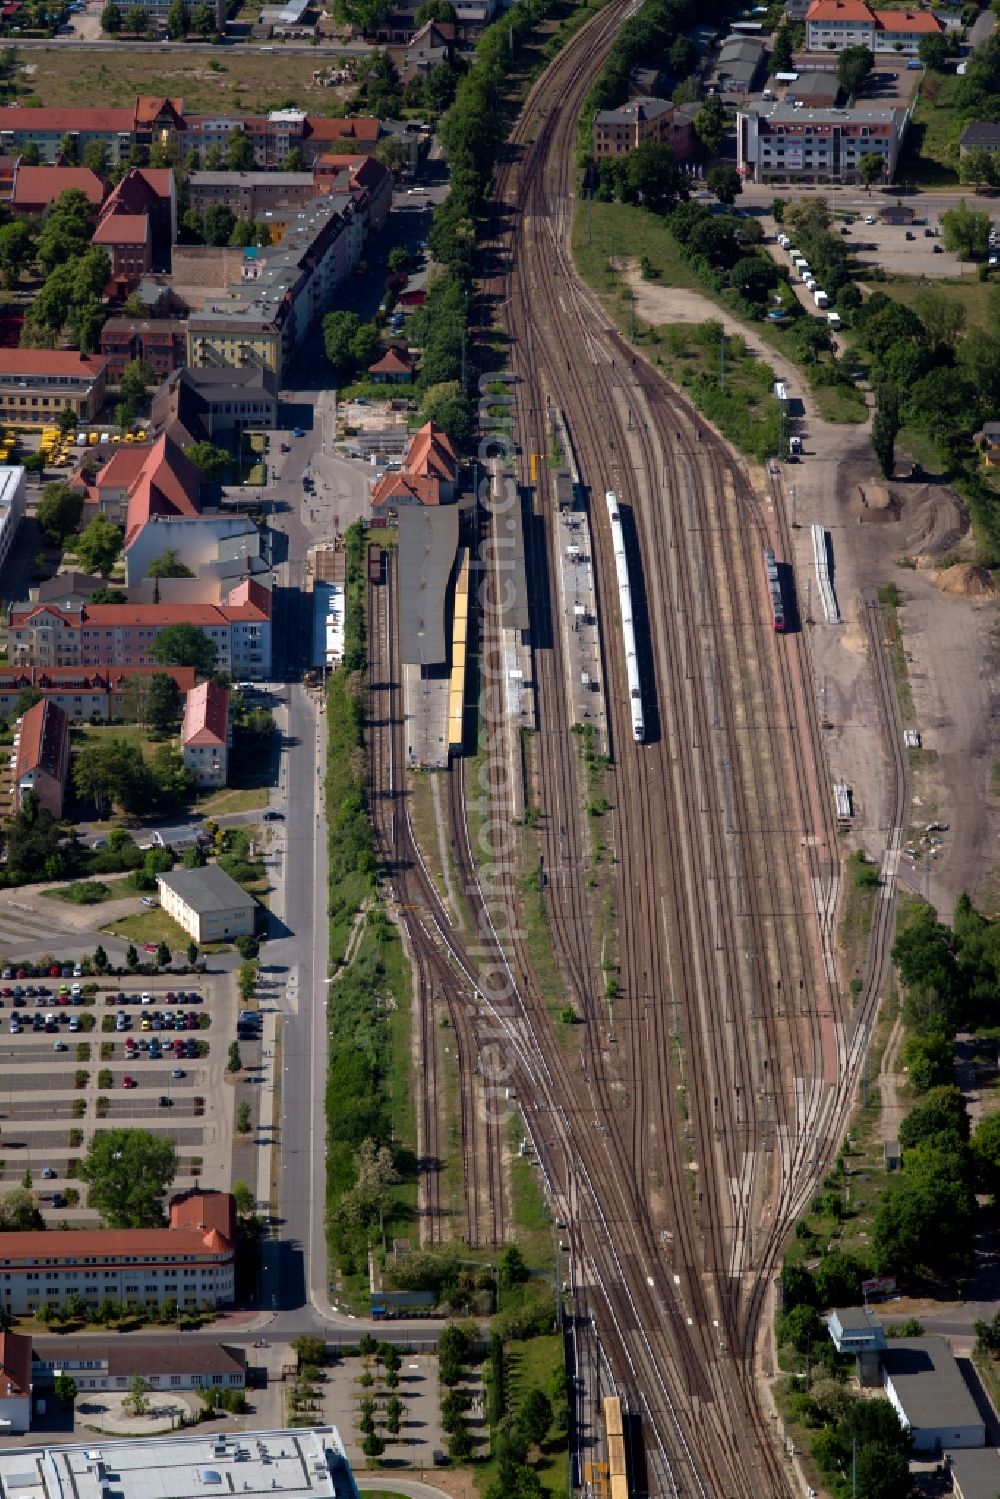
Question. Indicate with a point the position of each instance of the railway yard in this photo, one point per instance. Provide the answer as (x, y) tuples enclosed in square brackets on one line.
[(684, 1119)]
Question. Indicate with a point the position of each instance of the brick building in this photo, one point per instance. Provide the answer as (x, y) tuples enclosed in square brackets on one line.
[(41, 758), (618, 131), (161, 342)]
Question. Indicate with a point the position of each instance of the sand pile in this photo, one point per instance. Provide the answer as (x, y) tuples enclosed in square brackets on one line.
[(936, 521), (874, 502), (967, 582)]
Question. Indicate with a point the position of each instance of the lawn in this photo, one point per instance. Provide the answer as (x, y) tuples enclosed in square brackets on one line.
[(232, 799), (973, 294), (532, 1363), (132, 733), (149, 926), (116, 887), (247, 80), (930, 153), (532, 1226)]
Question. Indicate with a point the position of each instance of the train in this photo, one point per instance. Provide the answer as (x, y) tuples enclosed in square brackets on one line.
[(628, 624), (459, 642), (614, 1436), (774, 590)]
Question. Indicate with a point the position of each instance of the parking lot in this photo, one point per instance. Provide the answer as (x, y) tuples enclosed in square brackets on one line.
[(123, 1052), (922, 255)]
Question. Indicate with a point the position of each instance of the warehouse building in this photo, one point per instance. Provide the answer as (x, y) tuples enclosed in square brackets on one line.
[(207, 903), (930, 1397)]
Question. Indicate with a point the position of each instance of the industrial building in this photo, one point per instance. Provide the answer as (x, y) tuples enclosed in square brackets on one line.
[(930, 1397)]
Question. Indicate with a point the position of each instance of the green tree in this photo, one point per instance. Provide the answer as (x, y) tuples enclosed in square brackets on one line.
[(170, 780), (294, 161), (64, 1388), (244, 1121), (710, 127), (535, 1417), (136, 1402), (111, 772), (365, 346), (19, 1211), (965, 231), (17, 248), (192, 952), (111, 19), (934, 50), (977, 168), (369, 1199), (724, 181), (177, 20), (212, 461), (245, 1202), (944, 323), (217, 224), (169, 565), (984, 1148), (928, 1057), (162, 955), (339, 330), (838, 1279), (682, 57), (203, 23), (445, 405), (782, 53), (59, 511), (129, 1172), (924, 1219), (885, 425), (435, 10), (185, 645), (801, 1328), (95, 156), (234, 1062), (882, 1472), (27, 698), (137, 20), (871, 168), (99, 546), (239, 152), (854, 65), (512, 1268)]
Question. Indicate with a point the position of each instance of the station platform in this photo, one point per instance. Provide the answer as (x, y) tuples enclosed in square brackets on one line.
[(581, 635), (425, 714)]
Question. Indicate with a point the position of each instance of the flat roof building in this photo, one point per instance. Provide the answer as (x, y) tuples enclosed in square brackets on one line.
[(305, 1464), (207, 903), (931, 1399), (779, 143), (13, 500), (975, 1474), (428, 540)]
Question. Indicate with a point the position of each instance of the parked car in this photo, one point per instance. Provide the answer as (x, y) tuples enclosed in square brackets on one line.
[(128, 1081), (48, 1174)]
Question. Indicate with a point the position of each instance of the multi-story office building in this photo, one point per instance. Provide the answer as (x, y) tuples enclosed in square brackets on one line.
[(780, 143)]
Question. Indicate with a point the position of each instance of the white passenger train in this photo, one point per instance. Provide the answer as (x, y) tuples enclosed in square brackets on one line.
[(628, 624)]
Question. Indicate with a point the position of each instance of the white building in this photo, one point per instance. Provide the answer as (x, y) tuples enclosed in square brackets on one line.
[(186, 1365), (13, 498), (832, 25), (779, 143), (207, 903), (930, 1397), (306, 1464), (206, 733), (15, 1384)]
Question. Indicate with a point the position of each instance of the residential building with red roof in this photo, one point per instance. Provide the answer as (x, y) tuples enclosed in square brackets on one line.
[(37, 384), (832, 25), (206, 733), (41, 759), (394, 367), (15, 1383), (191, 1261), (429, 474), (114, 635), (137, 227), (34, 189), (83, 694)]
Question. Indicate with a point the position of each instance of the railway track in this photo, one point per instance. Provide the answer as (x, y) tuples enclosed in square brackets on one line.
[(442, 991)]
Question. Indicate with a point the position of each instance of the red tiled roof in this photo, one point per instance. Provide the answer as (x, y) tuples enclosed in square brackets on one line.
[(211, 1211), (15, 1365), (323, 128), (33, 185), (148, 106), (206, 715), (50, 361), (98, 679), (393, 362), (907, 21), (167, 484), (406, 487), (432, 453), (44, 730), (15, 117), (250, 593), (122, 468), (142, 615), (121, 229), (838, 10), (71, 1245)]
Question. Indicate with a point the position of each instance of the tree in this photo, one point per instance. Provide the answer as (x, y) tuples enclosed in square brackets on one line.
[(212, 461), (535, 1417), (133, 387), (162, 955), (27, 698), (129, 1172), (170, 780), (59, 511), (244, 1120), (136, 1402), (854, 65), (882, 1472), (99, 547), (934, 50), (154, 701), (984, 1148), (710, 126), (339, 329), (372, 1446), (100, 958), (800, 1328), (137, 20), (885, 425), (192, 952), (944, 323), (95, 156), (435, 10), (16, 250), (19, 1211), (871, 168), (239, 152), (965, 232), (838, 1279), (929, 1059), (724, 181), (217, 224), (64, 1388), (234, 1062), (111, 19), (294, 161), (203, 20), (365, 345), (111, 772), (924, 1219), (512, 1268), (977, 167), (131, 957), (185, 645), (245, 1201), (782, 54), (368, 1200), (177, 20), (682, 57)]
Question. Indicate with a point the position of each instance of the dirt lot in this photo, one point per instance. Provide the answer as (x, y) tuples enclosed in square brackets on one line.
[(952, 663)]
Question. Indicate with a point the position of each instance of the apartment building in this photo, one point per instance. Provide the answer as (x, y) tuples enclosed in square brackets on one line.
[(192, 1261), (251, 195), (618, 131), (114, 635), (160, 342), (84, 694), (832, 25), (284, 291), (780, 143), (41, 757), (13, 499), (15, 1383), (37, 384), (206, 733)]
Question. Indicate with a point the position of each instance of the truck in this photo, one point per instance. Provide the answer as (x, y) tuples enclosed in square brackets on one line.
[(820, 298), (833, 318)]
